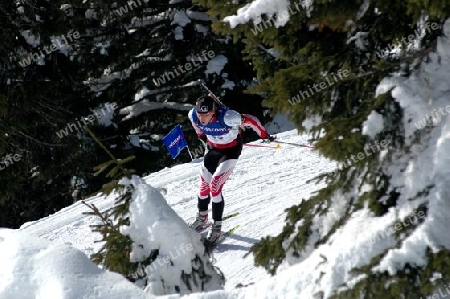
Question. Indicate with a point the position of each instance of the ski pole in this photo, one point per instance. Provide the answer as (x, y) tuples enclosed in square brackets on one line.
[(259, 145), (296, 144), (284, 142)]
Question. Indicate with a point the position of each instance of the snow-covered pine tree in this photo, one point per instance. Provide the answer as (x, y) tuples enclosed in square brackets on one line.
[(145, 240), (322, 65)]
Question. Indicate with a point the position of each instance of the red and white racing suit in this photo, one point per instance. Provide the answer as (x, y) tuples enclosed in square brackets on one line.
[(225, 145)]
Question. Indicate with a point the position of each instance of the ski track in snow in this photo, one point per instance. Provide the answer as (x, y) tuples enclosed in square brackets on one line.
[(265, 182)]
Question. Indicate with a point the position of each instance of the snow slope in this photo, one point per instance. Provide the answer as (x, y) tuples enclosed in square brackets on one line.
[(33, 267), (264, 183)]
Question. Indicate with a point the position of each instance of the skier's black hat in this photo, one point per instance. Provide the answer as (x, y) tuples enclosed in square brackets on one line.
[(204, 104)]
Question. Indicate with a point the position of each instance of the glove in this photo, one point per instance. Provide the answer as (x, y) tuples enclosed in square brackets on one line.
[(202, 138), (269, 139)]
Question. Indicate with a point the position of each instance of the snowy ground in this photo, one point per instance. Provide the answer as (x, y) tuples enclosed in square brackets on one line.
[(265, 182)]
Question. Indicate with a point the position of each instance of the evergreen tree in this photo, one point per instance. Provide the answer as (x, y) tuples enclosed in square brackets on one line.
[(347, 46), (40, 93), (136, 259)]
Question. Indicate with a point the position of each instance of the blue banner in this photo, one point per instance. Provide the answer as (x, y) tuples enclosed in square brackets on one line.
[(175, 141)]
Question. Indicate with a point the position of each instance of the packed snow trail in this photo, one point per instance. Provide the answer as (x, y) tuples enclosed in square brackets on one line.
[(265, 182)]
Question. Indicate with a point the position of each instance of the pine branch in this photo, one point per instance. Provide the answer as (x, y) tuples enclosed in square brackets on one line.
[(100, 144)]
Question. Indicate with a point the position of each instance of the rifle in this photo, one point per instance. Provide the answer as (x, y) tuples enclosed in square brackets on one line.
[(215, 98)]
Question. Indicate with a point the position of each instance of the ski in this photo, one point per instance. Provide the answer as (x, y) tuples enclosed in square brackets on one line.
[(228, 233), (209, 224), (210, 246), (230, 216)]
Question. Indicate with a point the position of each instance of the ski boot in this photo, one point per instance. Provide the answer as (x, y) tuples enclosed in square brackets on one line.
[(201, 221), (215, 233)]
